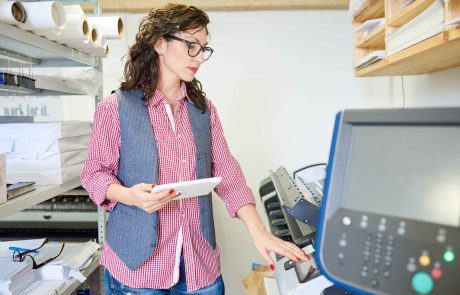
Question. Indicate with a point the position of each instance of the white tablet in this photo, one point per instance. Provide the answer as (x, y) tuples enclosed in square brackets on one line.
[(191, 188)]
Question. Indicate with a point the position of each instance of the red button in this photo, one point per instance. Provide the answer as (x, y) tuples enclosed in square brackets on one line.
[(436, 273)]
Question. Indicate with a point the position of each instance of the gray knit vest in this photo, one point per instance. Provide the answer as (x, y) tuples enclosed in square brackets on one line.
[(132, 232)]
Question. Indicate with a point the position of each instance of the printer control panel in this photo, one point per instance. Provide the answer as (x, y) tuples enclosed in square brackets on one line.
[(386, 255)]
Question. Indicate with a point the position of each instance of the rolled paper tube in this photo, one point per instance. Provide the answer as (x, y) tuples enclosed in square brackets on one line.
[(92, 41), (12, 12), (74, 9), (109, 26), (48, 15), (76, 29)]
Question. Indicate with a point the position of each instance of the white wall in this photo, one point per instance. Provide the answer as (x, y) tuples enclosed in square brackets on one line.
[(277, 79)]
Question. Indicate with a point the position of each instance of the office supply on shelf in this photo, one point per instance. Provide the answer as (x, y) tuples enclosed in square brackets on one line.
[(356, 6), (405, 4), (46, 153), (428, 23), (109, 26), (371, 58), (390, 218), (14, 190), (452, 22), (187, 189), (24, 244), (21, 48), (74, 258), (15, 277), (12, 12), (47, 15), (42, 130), (44, 288), (22, 250), (370, 25)]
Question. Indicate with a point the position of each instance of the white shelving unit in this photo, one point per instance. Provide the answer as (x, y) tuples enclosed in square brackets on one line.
[(17, 49), (40, 194)]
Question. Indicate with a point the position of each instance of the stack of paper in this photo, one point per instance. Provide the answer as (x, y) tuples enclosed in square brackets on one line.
[(428, 23), (369, 26), (73, 259), (356, 6), (372, 57), (15, 277), (46, 153), (44, 288)]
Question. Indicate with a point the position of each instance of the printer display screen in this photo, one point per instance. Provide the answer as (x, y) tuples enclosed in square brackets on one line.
[(408, 172)]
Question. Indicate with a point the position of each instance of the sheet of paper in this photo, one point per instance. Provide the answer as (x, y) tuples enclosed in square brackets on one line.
[(43, 287), (24, 244), (11, 268)]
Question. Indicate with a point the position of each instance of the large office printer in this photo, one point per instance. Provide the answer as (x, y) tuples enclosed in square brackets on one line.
[(292, 208), (390, 218)]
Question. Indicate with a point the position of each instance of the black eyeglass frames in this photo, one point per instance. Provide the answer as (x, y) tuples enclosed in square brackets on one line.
[(19, 256), (194, 48)]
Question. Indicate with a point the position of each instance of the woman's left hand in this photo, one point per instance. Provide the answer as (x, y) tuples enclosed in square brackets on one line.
[(265, 243)]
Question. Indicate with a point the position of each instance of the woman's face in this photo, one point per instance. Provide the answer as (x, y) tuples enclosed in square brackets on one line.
[(175, 53)]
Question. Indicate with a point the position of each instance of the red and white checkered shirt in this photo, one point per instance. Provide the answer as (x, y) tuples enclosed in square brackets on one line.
[(176, 163)]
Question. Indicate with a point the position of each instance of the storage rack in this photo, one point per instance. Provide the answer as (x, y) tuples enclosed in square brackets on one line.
[(439, 52), (19, 47)]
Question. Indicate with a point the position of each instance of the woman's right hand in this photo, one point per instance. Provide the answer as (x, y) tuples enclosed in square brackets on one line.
[(140, 196)]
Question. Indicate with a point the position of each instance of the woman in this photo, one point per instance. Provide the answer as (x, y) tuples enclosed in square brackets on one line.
[(160, 128)]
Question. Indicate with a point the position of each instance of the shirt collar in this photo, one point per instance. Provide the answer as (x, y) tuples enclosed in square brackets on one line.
[(158, 96)]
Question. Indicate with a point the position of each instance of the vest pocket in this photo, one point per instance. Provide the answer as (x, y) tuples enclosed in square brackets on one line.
[(131, 211)]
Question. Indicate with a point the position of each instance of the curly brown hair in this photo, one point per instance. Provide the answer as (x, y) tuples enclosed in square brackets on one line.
[(141, 68)]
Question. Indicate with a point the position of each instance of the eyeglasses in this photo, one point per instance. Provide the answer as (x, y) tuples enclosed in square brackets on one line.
[(19, 256), (194, 48)]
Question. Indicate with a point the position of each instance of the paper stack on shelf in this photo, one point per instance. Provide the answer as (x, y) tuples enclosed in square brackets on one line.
[(73, 259), (15, 277), (14, 190), (45, 153), (427, 24), (355, 7), (453, 22), (369, 26), (369, 59), (44, 288)]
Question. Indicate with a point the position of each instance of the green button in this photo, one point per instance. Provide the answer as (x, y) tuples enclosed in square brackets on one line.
[(422, 283), (449, 256)]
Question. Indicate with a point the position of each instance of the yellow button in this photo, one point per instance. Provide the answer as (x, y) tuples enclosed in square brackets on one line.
[(424, 260)]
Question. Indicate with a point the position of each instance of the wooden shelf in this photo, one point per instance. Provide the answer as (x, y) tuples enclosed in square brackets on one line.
[(437, 53), (372, 9), (375, 40), (409, 12), (371, 69)]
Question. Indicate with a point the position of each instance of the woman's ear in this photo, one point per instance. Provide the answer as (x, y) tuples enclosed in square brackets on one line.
[(160, 46)]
